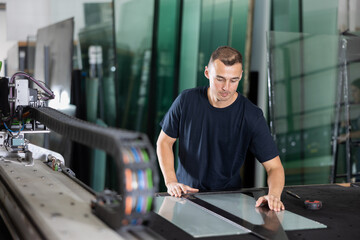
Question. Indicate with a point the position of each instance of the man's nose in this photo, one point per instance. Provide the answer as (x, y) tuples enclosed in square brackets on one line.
[(226, 85)]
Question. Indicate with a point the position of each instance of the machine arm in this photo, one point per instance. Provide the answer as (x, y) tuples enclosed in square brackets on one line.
[(134, 158)]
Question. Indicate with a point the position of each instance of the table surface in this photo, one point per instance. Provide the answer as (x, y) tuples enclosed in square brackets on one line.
[(340, 212)]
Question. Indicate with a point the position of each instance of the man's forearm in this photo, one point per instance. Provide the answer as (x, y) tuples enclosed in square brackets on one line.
[(276, 181), (166, 162)]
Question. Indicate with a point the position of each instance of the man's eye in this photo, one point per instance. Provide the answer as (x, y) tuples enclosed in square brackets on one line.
[(220, 79)]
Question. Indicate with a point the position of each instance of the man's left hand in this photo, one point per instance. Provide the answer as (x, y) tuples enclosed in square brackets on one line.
[(273, 202)]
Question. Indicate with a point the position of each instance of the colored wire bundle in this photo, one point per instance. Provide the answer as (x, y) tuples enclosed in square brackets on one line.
[(138, 181)]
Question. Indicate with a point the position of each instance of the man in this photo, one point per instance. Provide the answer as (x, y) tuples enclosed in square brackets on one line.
[(216, 126)]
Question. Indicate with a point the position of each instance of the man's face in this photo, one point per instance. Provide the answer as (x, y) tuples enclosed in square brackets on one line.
[(224, 81)]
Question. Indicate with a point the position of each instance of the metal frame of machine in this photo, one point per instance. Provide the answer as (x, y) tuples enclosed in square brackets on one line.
[(41, 198)]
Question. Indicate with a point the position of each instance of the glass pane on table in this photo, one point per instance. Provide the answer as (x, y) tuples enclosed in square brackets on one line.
[(243, 206), (194, 219)]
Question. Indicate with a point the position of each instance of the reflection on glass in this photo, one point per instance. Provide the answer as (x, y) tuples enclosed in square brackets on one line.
[(182, 213), (349, 122), (243, 207), (313, 100), (96, 40), (134, 34), (308, 16), (167, 63), (302, 113), (355, 124), (221, 23)]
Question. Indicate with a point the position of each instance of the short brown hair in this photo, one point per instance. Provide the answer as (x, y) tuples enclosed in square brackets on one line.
[(227, 55)]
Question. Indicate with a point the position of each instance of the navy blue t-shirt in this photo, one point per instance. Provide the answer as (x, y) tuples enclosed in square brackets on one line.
[(213, 142)]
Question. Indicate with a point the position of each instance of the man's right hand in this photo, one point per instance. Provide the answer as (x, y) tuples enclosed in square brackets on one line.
[(176, 189)]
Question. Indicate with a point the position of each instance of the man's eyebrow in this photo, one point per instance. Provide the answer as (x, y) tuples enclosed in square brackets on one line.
[(219, 76)]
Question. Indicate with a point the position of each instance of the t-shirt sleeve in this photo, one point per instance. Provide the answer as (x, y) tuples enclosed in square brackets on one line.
[(262, 144), (170, 122)]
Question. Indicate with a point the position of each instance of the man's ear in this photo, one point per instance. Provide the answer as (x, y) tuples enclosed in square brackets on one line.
[(206, 72)]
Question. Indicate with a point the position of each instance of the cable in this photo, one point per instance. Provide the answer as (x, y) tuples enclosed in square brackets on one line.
[(50, 93), (23, 125), (44, 83), (8, 129)]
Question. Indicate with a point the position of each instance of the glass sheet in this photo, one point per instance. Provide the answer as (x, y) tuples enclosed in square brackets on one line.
[(318, 17), (302, 113), (307, 82), (184, 214), (221, 23), (134, 35), (243, 207)]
